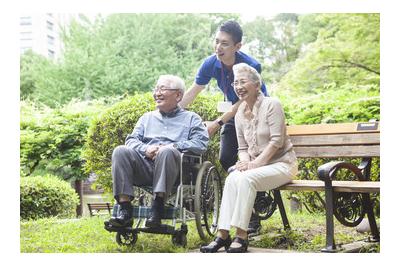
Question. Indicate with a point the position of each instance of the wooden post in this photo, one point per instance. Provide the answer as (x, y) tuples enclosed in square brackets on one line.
[(79, 191)]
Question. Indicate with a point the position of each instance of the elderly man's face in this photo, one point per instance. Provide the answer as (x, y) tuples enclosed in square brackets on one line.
[(166, 98)]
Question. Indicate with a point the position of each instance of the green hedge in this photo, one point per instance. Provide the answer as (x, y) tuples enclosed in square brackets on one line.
[(111, 128), (51, 140), (46, 196)]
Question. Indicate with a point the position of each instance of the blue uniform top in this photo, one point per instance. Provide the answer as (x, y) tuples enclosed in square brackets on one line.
[(213, 68)]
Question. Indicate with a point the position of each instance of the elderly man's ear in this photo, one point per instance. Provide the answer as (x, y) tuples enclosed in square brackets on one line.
[(179, 97)]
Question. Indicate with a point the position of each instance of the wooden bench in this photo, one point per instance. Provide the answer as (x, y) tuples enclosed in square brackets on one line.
[(97, 207), (347, 187)]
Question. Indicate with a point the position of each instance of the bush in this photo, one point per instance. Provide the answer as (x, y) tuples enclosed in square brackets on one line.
[(111, 128), (51, 140), (46, 196)]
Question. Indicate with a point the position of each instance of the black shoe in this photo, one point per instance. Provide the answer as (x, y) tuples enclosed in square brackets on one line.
[(123, 219), (216, 245), (254, 226), (157, 209), (243, 248)]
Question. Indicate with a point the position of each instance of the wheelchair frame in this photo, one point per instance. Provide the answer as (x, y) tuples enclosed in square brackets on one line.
[(203, 187)]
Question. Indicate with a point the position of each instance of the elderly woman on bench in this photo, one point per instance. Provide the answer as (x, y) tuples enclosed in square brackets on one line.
[(266, 159)]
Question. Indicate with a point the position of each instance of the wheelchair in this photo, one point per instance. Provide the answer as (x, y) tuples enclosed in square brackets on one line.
[(196, 196)]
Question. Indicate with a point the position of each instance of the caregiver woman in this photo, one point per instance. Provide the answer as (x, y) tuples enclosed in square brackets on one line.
[(266, 159)]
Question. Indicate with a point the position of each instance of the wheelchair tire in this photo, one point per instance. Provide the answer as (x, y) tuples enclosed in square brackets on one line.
[(208, 194), (126, 239)]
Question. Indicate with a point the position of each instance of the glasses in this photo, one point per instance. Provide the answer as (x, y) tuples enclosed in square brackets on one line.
[(163, 89), (239, 83)]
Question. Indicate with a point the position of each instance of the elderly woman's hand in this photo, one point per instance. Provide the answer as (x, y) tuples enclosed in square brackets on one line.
[(241, 165)]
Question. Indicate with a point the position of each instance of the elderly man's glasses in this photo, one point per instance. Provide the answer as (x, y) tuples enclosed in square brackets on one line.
[(163, 89)]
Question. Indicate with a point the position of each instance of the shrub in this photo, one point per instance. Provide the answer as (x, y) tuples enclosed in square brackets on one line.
[(51, 140), (111, 128), (46, 196)]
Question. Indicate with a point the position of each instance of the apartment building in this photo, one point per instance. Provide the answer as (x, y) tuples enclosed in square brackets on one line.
[(42, 33)]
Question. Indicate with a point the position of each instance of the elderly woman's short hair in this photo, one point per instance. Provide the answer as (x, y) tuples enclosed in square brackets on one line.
[(176, 82), (251, 72)]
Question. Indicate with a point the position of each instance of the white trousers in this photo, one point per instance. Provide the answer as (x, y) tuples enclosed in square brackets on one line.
[(240, 191)]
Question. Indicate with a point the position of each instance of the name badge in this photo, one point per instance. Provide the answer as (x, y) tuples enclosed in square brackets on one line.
[(224, 107)]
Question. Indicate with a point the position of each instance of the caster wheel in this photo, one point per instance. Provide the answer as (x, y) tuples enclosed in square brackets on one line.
[(179, 239), (126, 239)]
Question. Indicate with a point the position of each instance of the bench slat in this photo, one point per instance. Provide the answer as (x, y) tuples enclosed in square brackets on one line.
[(337, 151), (339, 186), (340, 139), (339, 128)]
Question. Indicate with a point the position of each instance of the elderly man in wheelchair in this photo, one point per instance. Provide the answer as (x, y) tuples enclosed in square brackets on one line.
[(152, 153)]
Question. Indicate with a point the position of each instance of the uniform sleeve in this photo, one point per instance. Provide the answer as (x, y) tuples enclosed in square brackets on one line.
[(204, 74)]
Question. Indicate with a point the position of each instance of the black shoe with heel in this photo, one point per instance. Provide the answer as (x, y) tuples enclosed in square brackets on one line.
[(241, 249), (216, 245)]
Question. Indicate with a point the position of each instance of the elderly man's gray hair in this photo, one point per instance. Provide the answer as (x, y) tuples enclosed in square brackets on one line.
[(252, 73), (176, 82)]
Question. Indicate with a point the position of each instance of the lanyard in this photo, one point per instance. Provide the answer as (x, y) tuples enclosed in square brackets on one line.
[(225, 87)]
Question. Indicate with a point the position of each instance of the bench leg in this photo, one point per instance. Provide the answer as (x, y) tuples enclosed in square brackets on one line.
[(279, 202), (330, 241), (371, 217)]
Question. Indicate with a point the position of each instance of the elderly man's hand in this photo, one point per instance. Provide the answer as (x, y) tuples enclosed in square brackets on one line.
[(152, 151)]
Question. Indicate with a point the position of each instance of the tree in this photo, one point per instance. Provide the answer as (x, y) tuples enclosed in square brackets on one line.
[(346, 51)]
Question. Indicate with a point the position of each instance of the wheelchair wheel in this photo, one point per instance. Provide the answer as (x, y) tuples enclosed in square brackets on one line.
[(265, 205), (126, 238), (207, 200), (179, 239)]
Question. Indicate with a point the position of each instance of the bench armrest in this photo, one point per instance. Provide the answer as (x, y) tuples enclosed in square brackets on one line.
[(327, 172)]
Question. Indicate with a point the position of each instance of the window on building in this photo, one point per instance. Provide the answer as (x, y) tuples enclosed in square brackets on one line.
[(26, 36), (50, 25), (50, 53), (25, 21), (50, 40)]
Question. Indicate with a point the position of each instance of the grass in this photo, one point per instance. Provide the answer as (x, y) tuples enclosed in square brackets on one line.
[(87, 235)]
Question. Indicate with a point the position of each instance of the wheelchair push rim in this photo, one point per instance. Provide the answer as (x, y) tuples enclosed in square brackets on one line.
[(208, 194)]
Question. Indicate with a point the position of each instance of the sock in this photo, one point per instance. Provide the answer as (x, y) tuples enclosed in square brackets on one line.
[(126, 205)]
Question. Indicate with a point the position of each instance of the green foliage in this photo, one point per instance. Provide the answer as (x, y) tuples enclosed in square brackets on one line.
[(334, 104), (111, 128), (46, 196), (51, 140), (346, 51)]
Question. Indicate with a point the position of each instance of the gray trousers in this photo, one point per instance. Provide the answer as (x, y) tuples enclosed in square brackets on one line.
[(130, 168)]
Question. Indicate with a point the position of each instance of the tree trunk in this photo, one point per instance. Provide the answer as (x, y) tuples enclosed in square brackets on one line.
[(79, 191)]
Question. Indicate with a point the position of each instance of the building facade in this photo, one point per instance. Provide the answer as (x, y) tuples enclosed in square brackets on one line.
[(41, 33)]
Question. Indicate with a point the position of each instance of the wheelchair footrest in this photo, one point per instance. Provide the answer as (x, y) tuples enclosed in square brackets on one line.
[(163, 229)]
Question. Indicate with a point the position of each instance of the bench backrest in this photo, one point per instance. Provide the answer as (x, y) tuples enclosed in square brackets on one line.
[(336, 140)]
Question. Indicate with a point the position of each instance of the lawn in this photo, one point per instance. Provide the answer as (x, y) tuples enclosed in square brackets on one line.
[(87, 235)]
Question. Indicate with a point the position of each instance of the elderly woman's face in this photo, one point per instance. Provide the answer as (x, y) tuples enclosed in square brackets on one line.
[(244, 86)]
